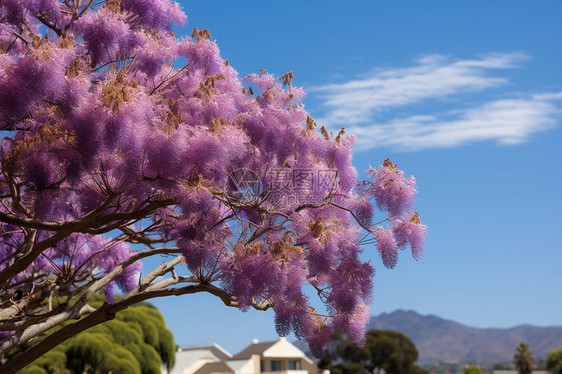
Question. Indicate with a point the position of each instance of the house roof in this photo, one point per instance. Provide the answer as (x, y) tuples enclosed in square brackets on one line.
[(253, 349), (216, 350), (194, 356), (281, 348), (215, 367)]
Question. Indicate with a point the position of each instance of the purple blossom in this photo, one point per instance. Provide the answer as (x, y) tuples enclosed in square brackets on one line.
[(109, 292), (25, 83), (5, 334), (41, 171), (387, 246), (410, 232), (13, 11), (353, 324), (319, 337), (321, 256), (364, 212), (292, 316), (392, 192), (157, 14), (351, 284), (167, 153), (106, 36), (250, 276)]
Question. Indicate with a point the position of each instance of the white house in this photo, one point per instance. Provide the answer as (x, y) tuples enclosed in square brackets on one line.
[(191, 359), (278, 357)]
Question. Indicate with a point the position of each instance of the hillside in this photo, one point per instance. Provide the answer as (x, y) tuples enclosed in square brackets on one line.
[(438, 339)]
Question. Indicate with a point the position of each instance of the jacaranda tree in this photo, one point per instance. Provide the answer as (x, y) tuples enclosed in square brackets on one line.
[(118, 133)]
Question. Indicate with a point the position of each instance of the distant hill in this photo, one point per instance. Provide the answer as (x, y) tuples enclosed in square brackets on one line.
[(438, 339)]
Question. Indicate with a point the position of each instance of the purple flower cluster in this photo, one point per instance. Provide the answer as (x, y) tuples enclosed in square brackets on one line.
[(74, 260), (387, 246), (394, 194)]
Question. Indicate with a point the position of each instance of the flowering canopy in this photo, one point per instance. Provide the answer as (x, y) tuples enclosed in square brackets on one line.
[(116, 132)]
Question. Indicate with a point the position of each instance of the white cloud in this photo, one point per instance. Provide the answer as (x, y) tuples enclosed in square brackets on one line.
[(507, 121)]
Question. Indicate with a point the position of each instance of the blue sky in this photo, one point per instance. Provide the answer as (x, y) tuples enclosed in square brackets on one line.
[(472, 109)]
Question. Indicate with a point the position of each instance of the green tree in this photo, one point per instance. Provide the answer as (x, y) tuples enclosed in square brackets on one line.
[(473, 369), (554, 361), (137, 341), (390, 351), (524, 359), (53, 362)]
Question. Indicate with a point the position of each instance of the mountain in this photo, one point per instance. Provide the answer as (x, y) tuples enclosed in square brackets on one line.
[(439, 340)]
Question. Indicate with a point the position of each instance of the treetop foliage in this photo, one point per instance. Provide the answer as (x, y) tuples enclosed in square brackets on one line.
[(384, 351), (473, 369), (110, 140), (136, 341), (524, 359), (554, 361)]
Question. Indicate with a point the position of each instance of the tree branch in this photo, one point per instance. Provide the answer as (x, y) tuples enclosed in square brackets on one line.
[(105, 313), (159, 271), (49, 25), (78, 225)]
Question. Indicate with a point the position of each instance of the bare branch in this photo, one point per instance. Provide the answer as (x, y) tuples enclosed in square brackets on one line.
[(49, 25), (159, 271), (172, 281), (104, 313)]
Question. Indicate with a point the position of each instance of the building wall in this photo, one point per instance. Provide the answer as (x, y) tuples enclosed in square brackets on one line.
[(279, 357), (282, 364)]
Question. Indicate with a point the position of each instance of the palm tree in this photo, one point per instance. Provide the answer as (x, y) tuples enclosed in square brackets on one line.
[(524, 359)]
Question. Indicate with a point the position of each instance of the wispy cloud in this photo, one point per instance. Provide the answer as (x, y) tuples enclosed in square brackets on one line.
[(507, 120)]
